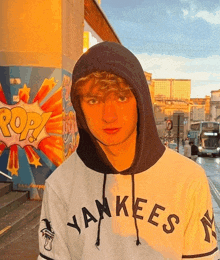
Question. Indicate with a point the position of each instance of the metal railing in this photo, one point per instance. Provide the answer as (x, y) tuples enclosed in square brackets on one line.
[(4, 174)]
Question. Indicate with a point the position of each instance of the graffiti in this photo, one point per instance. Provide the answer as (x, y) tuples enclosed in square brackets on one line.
[(70, 130), (69, 133), (13, 162), (15, 81), (22, 124), (67, 89), (25, 186), (38, 128), (68, 124), (31, 125)]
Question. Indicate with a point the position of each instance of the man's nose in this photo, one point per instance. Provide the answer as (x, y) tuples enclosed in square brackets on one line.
[(109, 113)]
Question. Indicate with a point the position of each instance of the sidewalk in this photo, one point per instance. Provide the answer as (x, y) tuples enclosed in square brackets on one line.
[(19, 222), (217, 219), (23, 248), (216, 208)]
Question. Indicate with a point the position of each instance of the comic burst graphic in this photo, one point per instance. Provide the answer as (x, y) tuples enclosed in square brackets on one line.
[(35, 126)]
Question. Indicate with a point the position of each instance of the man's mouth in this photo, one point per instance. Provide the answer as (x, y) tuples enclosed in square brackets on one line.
[(111, 130)]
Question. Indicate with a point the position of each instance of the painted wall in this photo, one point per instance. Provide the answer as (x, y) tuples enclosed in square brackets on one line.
[(31, 33), (37, 124), (70, 131), (40, 43)]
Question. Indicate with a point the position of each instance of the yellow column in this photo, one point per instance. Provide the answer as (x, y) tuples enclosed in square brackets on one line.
[(39, 33), (40, 42)]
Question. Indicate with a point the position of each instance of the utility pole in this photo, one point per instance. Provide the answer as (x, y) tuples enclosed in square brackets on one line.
[(178, 127), (178, 133)]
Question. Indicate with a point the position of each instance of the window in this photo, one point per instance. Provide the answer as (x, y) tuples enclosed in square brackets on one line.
[(195, 127)]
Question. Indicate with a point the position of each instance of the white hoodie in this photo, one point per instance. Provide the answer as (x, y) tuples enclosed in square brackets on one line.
[(159, 208)]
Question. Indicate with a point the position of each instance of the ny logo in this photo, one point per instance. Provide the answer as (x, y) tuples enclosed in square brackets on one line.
[(208, 223)]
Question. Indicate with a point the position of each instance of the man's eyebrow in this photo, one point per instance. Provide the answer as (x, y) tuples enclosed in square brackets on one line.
[(89, 95)]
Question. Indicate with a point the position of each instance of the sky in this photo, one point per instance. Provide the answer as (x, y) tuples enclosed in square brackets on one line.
[(177, 39)]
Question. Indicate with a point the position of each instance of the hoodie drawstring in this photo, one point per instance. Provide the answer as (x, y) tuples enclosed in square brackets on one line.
[(133, 209), (101, 215)]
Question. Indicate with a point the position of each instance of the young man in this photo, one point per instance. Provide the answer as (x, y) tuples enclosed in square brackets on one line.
[(122, 195)]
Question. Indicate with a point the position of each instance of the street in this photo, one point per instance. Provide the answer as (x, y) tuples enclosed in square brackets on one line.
[(212, 167)]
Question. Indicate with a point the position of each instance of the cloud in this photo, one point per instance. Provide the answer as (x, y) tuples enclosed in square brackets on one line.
[(185, 12), (207, 11), (177, 66), (195, 10), (166, 27), (203, 90), (203, 72), (213, 18)]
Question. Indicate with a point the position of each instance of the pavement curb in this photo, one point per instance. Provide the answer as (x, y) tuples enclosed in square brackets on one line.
[(216, 208)]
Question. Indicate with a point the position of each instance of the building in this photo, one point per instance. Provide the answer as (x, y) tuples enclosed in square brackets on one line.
[(200, 109), (171, 96), (164, 110), (40, 44), (150, 85), (172, 88), (162, 88), (215, 105), (197, 113)]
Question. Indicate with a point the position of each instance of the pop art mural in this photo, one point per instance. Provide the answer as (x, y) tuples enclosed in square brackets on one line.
[(37, 125), (70, 131)]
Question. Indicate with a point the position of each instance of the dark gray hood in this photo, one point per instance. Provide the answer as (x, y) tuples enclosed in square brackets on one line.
[(114, 58)]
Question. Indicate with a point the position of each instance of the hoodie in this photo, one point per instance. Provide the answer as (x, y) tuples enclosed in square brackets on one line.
[(159, 208)]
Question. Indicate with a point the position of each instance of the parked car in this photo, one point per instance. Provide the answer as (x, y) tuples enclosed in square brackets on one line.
[(172, 146)]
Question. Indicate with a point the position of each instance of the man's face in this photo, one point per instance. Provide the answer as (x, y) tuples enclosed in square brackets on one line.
[(112, 116)]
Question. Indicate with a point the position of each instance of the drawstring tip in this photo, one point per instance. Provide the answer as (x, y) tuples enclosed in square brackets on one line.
[(138, 242), (97, 243)]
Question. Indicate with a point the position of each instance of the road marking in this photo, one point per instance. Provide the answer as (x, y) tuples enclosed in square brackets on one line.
[(4, 230)]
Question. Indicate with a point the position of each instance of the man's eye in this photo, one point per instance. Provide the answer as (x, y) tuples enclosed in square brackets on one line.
[(122, 98), (92, 101)]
